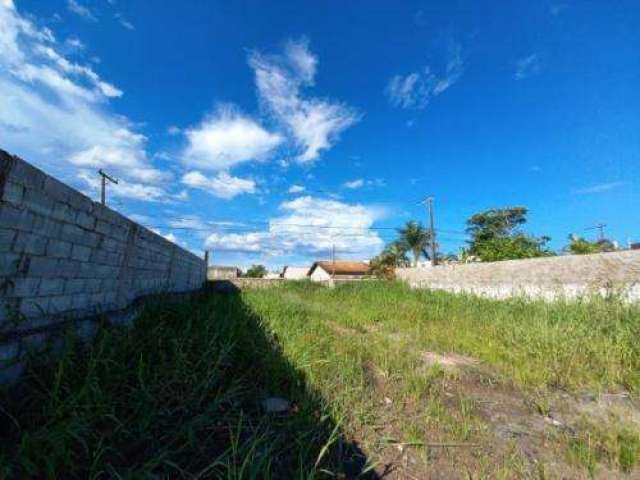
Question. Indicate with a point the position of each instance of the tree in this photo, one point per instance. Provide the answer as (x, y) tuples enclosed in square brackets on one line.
[(256, 271), (394, 255), (495, 223), (414, 237), (580, 246), (495, 236)]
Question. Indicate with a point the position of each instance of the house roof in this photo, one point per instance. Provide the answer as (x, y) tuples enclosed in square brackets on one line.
[(342, 267)]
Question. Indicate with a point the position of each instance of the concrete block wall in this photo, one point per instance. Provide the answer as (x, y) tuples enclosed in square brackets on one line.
[(548, 278), (64, 256)]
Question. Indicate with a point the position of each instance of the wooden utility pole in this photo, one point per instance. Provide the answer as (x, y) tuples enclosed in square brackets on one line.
[(600, 228), (105, 177), (428, 202), (333, 261)]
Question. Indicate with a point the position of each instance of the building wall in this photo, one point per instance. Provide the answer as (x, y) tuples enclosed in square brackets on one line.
[(296, 273), (214, 273), (567, 276), (63, 256), (320, 275)]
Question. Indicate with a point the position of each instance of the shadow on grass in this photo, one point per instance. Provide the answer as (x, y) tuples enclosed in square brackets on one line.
[(178, 395)]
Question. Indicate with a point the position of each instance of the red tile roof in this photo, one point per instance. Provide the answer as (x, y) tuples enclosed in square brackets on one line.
[(342, 267)]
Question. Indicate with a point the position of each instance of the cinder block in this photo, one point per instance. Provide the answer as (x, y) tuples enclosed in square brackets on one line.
[(61, 303), (23, 287), (34, 306), (77, 235), (63, 212), (56, 190), (9, 264), (80, 201), (36, 201), (68, 268), (80, 301), (75, 285), (6, 239), (93, 285), (103, 227), (112, 245), (59, 249), (13, 192), (51, 286), (27, 175), (47, 227), (80, 253), (85, 220), (44, 267), (12, 217), (30, 243)]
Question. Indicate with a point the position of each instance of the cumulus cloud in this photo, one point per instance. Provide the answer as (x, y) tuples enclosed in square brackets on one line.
[(53, 110), (416, 89), (222, 185), (311, 227), (227, 138), (296, 189), (129, 189), (315, 124), (528, 66)]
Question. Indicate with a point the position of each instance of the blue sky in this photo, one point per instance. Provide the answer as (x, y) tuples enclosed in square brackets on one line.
[(270, 132)]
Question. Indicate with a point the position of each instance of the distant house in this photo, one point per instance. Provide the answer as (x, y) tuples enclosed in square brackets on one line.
[(322, 271), (220, 272), (272, 276), (294, 273)]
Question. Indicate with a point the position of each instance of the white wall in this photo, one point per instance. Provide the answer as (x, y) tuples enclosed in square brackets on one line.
[(320, 275)]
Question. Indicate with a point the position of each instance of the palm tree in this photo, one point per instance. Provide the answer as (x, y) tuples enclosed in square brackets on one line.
[(396, 254), (414, 237)]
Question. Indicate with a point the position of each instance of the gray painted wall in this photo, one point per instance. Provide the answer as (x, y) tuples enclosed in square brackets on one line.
[(63, 256), (567, 276)]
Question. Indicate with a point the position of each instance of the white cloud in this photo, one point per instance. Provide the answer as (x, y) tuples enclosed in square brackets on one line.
[(52, 111), (173, 130), (75, 7), (227, 138), (315, 124), (309, 227), (75, 43), (416, 89), (353, 184), (360, 182), (296, 189), (222, 185), (124, 22), (599, 188), (128, 189), (528, 66)]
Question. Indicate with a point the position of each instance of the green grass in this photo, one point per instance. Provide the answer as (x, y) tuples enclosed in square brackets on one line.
[(178, 394), (590, 344)]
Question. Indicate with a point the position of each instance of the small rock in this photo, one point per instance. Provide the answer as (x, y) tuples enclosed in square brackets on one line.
[(388, 401), (553, 421), (276, 405)]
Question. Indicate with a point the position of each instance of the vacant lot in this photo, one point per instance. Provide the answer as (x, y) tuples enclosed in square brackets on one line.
[(380, 381)]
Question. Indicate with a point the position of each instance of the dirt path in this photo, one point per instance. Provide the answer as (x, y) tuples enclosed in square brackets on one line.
[(518, 434)]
